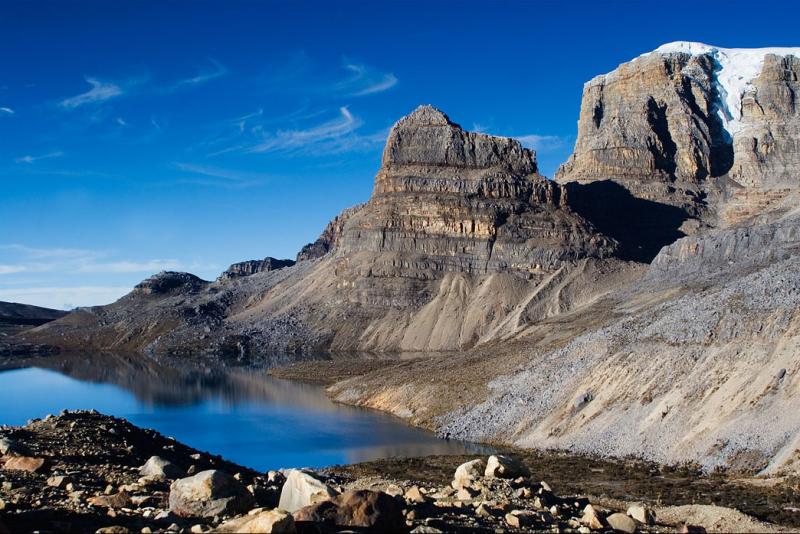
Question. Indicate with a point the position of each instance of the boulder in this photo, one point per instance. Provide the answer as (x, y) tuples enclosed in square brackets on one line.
[(621, 523), (23, 463), (373, 510), (414, 495), (466, 494), (60, 481), (591, 518), (642, 514), (8, 445), (302, 489), (467, 473), (265, 521), (118, 500), (502, 466), (520, 519), (157, 466), (207, 494)]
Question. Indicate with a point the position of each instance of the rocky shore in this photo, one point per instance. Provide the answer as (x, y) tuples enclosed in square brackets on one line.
[(83, 471)]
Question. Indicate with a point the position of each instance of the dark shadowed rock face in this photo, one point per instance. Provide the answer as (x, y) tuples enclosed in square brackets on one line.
[(247, 268), (25, 314), (167, 282), (329, 237)]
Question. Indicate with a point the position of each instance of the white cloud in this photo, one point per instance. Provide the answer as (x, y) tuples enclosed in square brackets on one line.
[(286, 140), (11, 269), (122, 122), (541, 143), (79, 261), (149, 266), (222, 177), (100, 92), (366, 81), (32, 159), (64, 297), (7, 111), (218, 71)]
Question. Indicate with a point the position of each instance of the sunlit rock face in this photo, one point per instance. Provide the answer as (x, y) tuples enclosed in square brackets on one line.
[(683, 138), (446, 200), (767, 146)]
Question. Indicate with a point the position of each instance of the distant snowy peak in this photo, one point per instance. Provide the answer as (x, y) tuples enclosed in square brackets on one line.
[(737, 68)]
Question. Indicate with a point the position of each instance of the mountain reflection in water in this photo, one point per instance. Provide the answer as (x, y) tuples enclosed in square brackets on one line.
[(239, 413)]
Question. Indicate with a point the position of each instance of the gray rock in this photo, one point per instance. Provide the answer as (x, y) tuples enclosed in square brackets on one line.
[(208, 494), (159, 467), (8, 445), (621, 523)]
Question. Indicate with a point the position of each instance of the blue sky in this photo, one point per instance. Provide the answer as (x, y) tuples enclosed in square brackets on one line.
[(141, 136)]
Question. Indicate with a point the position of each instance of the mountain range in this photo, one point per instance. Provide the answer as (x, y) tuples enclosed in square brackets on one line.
[(643, 301)]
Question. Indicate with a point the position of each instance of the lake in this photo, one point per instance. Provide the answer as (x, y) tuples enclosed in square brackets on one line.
[(239, 413)]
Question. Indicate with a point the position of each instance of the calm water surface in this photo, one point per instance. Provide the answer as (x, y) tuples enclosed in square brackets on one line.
[(241, 414)]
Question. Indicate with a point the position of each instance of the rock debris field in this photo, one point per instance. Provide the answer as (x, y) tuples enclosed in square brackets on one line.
[(83, 471)]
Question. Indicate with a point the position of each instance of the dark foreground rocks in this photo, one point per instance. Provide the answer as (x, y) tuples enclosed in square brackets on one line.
[(83, 471)]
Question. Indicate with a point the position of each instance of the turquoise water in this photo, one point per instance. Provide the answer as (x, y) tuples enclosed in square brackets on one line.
[(243, 415)]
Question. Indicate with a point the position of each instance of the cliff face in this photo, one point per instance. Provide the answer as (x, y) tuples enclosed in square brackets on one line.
[(461, 242), (454, 201), (709, 130), (247, 268)]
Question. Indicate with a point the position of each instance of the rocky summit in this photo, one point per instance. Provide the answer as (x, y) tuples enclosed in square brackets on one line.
[(644, 303)]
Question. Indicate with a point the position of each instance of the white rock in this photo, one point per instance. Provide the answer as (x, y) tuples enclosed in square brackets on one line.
[(302, 489), (467, 473), (501, 466), (264, 521), (621, 523), (642, 514)]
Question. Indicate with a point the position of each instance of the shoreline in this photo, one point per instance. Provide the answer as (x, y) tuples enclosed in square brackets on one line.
[(99, 460)]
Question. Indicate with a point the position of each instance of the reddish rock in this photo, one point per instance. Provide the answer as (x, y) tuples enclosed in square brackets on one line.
[(372, 510), (23, 463), (118, 500)]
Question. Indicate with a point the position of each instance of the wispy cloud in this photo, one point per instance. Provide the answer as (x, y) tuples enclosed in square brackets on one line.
[(365, 80), (218, 70), (32, 159), (11, 269), (100, 92), (541, 143), (287, 140), (78, 261), (122, 122), (338, 134), (219, 177), (6, 111)]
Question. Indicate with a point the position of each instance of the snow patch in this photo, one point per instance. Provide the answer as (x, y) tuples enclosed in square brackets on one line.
[(735, 72)]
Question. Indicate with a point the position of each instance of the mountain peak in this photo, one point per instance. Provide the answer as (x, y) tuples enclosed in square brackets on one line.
[(426, 115)]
